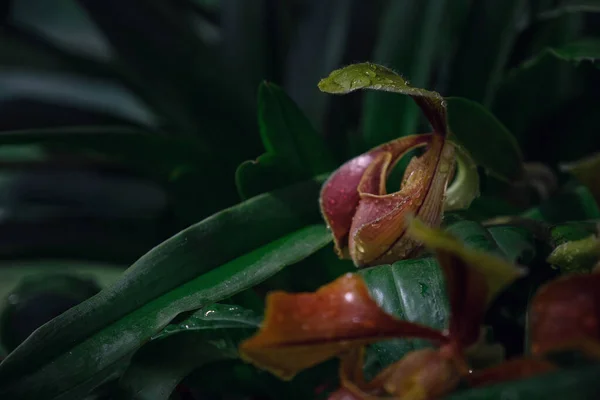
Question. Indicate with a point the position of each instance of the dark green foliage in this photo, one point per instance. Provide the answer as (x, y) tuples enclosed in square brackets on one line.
[(124, 124)]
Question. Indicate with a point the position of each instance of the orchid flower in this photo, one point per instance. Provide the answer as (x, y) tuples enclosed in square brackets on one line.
[(369, 224)]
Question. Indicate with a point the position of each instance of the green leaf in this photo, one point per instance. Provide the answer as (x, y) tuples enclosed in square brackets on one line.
[(572, 231), (576, 52), (412, 290), (295, 151), (485, 138), (210, 334), (487, 42), (214, 259), (407, 42), (415, 289), (170, 64), (577, 384), (571, 6), (572, 204), (151, 152), (377, 77)]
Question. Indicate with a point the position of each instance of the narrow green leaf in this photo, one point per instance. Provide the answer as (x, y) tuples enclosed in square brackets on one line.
[(120, 337), (377, 77), (407, 43), (487, 42), (576, 52), (576, 384), (218, 241), (295, 151), (151, 152), (485, 138), (210, 334), (571, 6), (244, 41), (316, 47)]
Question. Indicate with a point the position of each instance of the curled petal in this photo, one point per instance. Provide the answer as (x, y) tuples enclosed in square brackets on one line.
[(512, 370), (377, 234), (304, 329), (339, 196), (473, 279), (565, 313)]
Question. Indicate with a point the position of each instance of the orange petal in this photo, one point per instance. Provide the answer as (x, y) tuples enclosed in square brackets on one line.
[(339, 196), (304, 329), (565, 311), (377, 234), (422, 374), (512, 370)]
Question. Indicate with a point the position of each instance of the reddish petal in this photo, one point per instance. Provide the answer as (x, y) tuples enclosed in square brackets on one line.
[(301, 330), (422, 374), (565, 312), (339, 196), (377, 234)]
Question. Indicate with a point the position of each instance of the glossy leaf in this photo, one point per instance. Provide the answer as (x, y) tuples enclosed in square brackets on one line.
[(411, 290), (149, 295), (488, 142), (409, 32), (415, 290), (377, 77), (210, 334), (295, 150), (497, 273), (302, 330)]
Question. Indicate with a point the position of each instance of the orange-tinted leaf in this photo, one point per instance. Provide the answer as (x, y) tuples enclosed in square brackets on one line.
[(565, 312), (339, 196), (304, 329), (512, 370)]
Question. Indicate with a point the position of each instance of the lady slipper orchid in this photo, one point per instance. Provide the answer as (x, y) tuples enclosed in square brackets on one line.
[(369, 224), (301, 330)]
